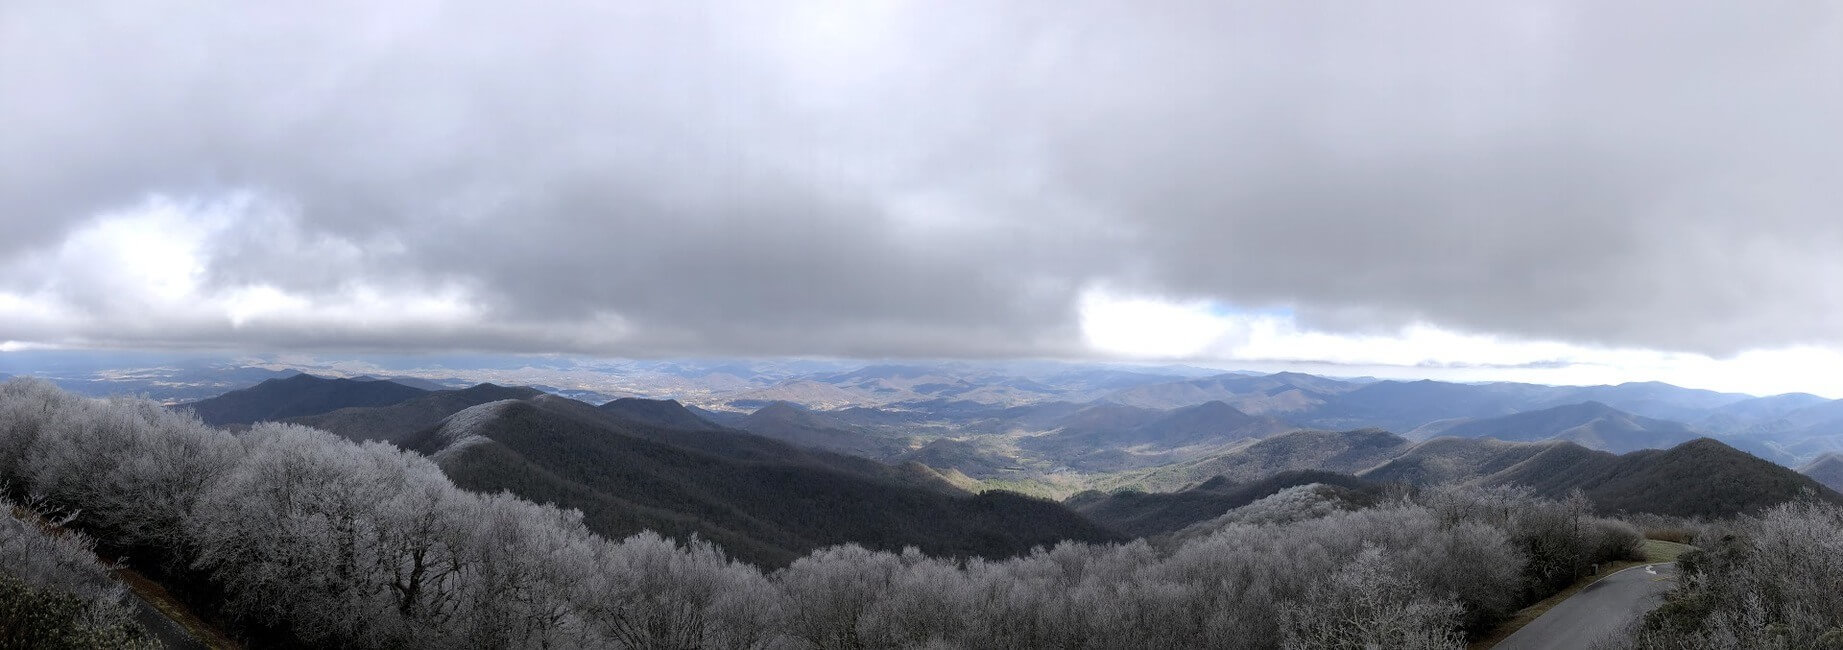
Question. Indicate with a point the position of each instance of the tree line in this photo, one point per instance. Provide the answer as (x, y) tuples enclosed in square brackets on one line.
[(301, 533)]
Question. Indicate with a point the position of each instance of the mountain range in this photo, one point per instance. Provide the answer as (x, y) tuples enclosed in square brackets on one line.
[(1699, 477), (1590, 424), (775, 482), (634, 464), (764, 502)]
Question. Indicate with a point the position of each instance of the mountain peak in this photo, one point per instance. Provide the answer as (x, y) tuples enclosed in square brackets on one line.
[(1590, 406), (298, 379), (781, 408), (666, 413), (295, 396), (1213, 406), (1826, 469)]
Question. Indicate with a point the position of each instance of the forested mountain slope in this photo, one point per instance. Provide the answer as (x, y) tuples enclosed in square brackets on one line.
[(1345, 452), (395, 422), (1701, 477), (279, 399), (767, 511), (1698, 478), (1144, 514), (1827, 469), (664, 413)]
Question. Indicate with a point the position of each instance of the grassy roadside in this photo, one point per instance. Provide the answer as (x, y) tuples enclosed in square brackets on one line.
[(147, 590), (1656, 551), (170, 607)]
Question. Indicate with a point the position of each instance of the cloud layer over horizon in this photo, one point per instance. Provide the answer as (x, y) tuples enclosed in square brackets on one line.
[(919, 179)]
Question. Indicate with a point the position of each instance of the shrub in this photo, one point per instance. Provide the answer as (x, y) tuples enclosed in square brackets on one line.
[(36, 617), (1771, 582)]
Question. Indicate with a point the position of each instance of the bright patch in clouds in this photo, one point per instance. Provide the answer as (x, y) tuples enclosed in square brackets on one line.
[(152, 251), (1150, 328), (147, 265), (1201, 331)]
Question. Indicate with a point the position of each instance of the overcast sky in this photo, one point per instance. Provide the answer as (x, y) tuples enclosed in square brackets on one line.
[(1531, 189)]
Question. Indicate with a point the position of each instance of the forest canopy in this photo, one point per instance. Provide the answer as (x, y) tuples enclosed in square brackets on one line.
[(366, 545)]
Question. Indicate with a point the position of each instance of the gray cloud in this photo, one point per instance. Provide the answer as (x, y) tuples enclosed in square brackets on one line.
[(945, 178)]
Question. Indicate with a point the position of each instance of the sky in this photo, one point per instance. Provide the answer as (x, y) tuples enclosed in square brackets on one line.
[(1564, 192)]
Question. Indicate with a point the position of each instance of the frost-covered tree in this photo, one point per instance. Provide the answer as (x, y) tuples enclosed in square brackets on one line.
[(364, 545), (653, 593), (54, 591), (1771, 581), (1371, 602)]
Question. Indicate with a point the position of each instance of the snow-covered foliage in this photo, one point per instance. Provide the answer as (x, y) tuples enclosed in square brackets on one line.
[(1297, 503), (54, 590), (462, 429), (364, 545), (62, 561), (1771, 581)]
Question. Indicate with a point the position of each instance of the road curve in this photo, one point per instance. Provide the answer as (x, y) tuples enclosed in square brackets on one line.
[(1599, 611), (168, 632)]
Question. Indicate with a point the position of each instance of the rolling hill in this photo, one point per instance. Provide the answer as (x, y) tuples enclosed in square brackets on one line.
[(1144, 514), (1345, 452), (1827, 469), (1652, 399), (975, 458), (1590, 424), (1763, 409), (794, 424), (1549, 467), (1112, 437)]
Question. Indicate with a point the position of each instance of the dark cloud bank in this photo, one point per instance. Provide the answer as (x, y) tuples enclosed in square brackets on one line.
[(946, 178)]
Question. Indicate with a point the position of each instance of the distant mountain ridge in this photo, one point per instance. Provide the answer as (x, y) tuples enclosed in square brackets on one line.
[(1700, 477), (1827, 469), (299, 395), (666, 413), (1113, 436), (1343, 452), (1022, 423), (1590, 424), (791, 423), (1278, 393), (645, 463)]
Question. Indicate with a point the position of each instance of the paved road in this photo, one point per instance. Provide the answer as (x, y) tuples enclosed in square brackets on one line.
[(1600, 610), (170, 634)]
